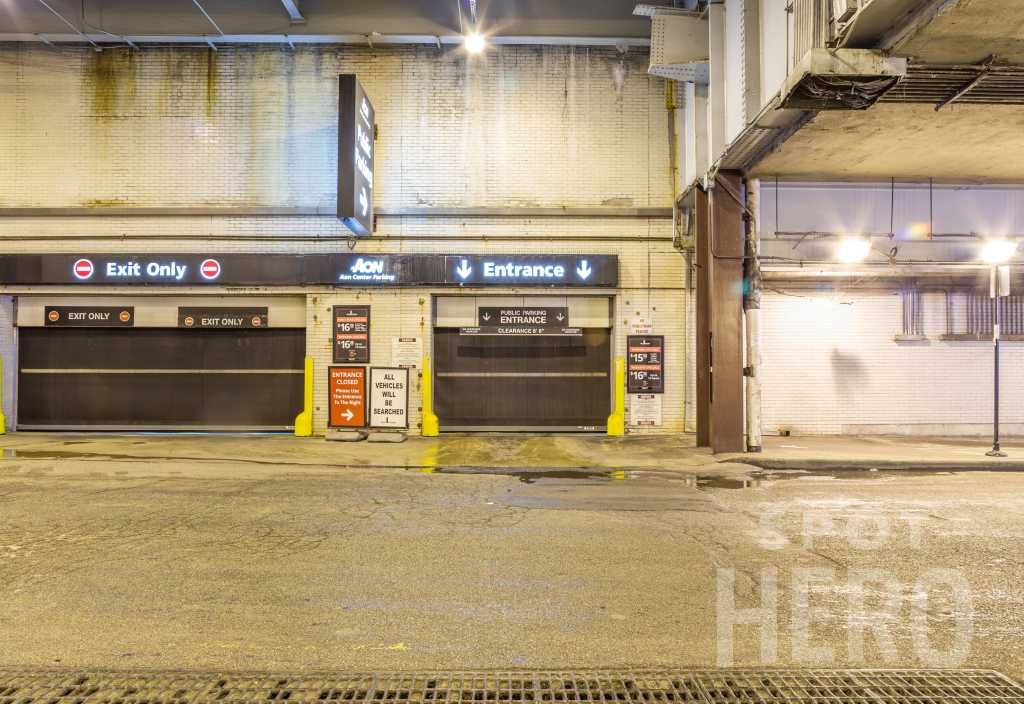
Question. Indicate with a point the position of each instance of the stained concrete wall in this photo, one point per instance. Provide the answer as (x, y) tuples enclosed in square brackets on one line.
[(256, 126)]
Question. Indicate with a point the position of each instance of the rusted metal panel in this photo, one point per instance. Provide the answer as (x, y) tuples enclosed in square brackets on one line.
[(726, 249)]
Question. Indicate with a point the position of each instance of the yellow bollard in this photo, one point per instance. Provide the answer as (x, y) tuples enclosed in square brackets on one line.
[(3, 419), (617, 420), (304, 421), (431, 425)]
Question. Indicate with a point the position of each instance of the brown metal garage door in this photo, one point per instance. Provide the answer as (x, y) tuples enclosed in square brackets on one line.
[(159, 379), (522, 382)]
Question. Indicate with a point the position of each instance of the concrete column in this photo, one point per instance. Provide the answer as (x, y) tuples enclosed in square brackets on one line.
[(701, 130), (752, 316), (773, 58), (753, 92), (688, 137), (716, 90)]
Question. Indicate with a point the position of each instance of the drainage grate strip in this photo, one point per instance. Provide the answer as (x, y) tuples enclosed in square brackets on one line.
[(707, 686)]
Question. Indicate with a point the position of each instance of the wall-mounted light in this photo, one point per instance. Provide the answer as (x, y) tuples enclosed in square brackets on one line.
[(998, 251), (474, 42), (853, 249)]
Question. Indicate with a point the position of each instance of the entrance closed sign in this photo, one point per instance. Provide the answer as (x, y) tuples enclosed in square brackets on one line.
[(389, 397), (347, 397)]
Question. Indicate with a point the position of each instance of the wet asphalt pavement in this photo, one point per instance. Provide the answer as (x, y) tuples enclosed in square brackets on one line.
[(117, 561)]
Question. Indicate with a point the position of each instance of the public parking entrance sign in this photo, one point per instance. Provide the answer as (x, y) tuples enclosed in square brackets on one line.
[(346, 389)]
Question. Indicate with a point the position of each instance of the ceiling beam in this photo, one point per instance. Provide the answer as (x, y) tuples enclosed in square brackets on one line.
[(208, 18), (292, 8), (429, 39), (65, 20)]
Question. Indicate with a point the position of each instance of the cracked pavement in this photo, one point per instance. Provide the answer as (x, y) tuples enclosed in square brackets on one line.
[(217, 562)]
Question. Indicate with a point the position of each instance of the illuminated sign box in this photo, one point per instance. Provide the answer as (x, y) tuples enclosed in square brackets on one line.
[(356, 133), (340, 270)]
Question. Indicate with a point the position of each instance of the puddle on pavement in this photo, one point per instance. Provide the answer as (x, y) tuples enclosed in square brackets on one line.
[(754, 479), (529, 476), (10, 452), (651, 490)]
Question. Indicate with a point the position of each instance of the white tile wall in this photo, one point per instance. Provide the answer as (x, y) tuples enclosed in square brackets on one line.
[(831, 365)]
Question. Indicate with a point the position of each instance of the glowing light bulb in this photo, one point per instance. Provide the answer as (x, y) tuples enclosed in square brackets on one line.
[(998, 251), (853, 249), (475, 43)]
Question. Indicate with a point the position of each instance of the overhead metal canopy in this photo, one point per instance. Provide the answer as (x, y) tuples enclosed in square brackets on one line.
[(961, 143), (954, 116), (967, 32), (22, 20)]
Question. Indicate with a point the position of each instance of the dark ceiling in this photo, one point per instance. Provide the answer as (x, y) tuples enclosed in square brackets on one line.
[(569, 18)]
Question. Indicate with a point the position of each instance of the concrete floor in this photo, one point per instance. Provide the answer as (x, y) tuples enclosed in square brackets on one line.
[(253, 553)]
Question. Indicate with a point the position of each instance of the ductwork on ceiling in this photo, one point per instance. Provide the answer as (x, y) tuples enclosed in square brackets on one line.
[(841, 79), (679, 46)]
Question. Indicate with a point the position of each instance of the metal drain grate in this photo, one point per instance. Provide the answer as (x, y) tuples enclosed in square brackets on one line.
[(739, 686)]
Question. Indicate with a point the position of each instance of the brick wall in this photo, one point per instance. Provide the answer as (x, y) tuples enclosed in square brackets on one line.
[(831, 365), (523, 125), (256, 126)]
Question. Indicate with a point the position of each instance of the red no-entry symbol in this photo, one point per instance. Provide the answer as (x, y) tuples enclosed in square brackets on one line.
[(210, 269), (82, 269)]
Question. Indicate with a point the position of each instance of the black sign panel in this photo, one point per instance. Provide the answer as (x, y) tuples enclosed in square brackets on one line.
[(343, 270), (356, 133), (206, 318), (532, 330), (645, 365), (533, 270), (352, 334), (166, 269), (522, 316), (89, 316)]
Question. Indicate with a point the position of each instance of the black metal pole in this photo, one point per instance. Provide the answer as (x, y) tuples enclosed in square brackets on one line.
[(995, 451)]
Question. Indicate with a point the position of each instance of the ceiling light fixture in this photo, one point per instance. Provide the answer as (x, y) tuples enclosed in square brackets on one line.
[(853, 249), (998, 251), (475, 42)]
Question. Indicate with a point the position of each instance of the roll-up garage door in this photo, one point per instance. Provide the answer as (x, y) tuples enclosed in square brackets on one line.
[(159, 378), (521, 382)]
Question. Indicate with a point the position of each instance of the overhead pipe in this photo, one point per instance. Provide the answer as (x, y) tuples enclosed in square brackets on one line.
[(752, 317)]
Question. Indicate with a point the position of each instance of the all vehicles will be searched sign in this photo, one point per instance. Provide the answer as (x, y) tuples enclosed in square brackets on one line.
[(389, 397)]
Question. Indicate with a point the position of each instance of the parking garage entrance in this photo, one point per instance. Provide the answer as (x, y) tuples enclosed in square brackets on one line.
[(522, 363)]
